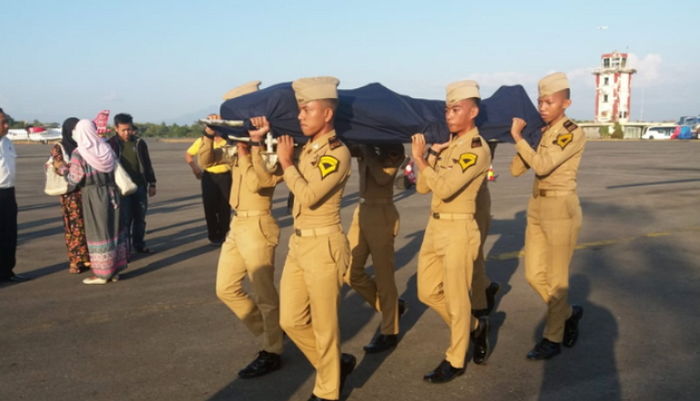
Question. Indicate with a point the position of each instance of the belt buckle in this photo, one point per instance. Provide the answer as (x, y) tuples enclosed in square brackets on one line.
[(436, 215), (362, 200)]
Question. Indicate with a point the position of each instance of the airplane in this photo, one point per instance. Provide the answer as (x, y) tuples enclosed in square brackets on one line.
[(18, 134), (35, 134)]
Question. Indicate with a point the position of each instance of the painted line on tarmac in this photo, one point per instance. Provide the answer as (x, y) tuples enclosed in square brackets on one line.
[(598, 244)]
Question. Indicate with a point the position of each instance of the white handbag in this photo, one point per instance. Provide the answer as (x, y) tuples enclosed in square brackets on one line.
[(124, 182), (55, 184)]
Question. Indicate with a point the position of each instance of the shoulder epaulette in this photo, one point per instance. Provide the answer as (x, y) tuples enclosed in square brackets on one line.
[(570, 125), (476, 142), (334, 142)]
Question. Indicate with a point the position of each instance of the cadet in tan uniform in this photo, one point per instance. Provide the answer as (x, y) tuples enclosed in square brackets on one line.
[(553, 212), (249, 248), (375, 223), (454, 172), (318, 250)]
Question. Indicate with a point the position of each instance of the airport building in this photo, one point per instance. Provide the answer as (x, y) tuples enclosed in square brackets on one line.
[(613, 83)]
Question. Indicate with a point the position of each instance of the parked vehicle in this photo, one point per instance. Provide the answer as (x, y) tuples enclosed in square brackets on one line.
[(688, 128), (684, 132), (658, 132)]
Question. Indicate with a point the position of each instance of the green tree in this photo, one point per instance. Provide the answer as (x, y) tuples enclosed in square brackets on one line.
[(604, 131), (617, 131)]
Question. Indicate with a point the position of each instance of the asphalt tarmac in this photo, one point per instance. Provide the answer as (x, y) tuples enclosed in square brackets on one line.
[(161, 334)]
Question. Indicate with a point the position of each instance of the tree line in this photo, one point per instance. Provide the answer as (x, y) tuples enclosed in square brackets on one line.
[(161, 130)]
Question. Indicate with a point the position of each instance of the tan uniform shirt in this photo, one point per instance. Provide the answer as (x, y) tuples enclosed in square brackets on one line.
[(457, 174), (317, 182), (252, 185), (557, 158)]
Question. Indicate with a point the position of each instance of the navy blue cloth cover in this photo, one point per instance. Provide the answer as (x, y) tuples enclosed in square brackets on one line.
[(374, 114)]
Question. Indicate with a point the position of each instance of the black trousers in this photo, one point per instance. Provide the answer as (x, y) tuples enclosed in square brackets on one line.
[(217, 211), (8, 231)]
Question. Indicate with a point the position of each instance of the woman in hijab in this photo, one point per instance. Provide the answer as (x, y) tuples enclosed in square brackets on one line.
[(71, 204), (92, 168)]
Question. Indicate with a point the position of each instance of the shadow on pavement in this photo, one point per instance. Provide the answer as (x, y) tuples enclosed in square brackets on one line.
[(591, 360), (164, 243), (645, 184), (502, 260), (45, 271), (370, 363)]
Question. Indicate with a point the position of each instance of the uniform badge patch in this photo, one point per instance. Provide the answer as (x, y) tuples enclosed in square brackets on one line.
[(327, 164), (467, 160), (476, 143), (563, 140)]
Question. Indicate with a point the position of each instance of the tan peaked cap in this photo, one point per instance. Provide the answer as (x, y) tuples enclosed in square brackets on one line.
[(459, 90), (316, 88), (250, 87), (553, 83)]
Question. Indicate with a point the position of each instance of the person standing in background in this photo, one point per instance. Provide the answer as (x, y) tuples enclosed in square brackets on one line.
[(71, 204), (216, 188), (132, 153), (92, 168), (8, 204)]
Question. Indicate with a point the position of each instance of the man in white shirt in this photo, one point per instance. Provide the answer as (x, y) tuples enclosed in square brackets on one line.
[(8, 204)]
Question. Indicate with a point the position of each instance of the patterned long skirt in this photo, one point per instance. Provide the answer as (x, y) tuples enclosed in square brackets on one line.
[(106, 242), (74, 227)]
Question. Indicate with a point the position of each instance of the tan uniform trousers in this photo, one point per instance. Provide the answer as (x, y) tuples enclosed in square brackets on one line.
[(372, 232), (553, 224), (309, 298), (481, 280), (249, 251), (445, 269)]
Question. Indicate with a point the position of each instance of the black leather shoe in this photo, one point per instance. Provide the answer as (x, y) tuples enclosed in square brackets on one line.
[(491, 292), (402, 307), (144, 250), (265, 363), (480, 338), (381, 343), (347, 365), (443, 373), (544, 349), (571, 326)]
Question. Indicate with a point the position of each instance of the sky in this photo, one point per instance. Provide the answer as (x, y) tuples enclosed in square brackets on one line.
[(171, 61)]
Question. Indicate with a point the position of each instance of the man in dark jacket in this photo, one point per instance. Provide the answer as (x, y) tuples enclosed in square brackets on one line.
[(132, 152)]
